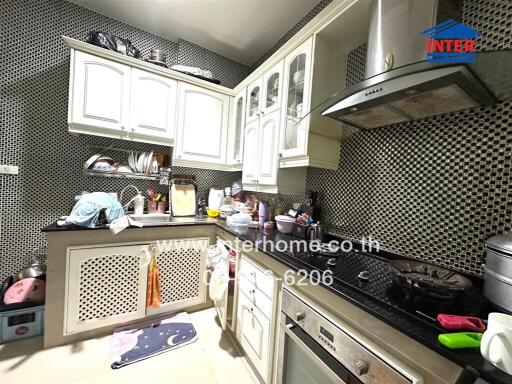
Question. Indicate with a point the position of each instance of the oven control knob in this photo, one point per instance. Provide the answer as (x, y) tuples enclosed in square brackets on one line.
[(300, 316), (362, 367)]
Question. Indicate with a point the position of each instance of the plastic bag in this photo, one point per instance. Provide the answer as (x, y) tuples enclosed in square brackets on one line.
[(219, 280), (87, 210), (113, 43)]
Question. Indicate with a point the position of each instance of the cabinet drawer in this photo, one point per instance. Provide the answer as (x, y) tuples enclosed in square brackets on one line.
[(256, 276), (253, 333), (256, 296)]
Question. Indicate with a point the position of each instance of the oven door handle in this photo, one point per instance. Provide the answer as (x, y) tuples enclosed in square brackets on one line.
[(288, 331)]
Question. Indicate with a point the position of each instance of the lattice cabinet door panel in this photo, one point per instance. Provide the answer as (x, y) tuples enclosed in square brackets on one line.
[(182, 266), (105, 286)]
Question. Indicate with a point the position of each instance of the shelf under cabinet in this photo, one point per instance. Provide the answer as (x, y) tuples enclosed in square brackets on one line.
[(122, 175)]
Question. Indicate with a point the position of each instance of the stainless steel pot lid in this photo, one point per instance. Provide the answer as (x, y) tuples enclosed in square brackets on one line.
[(501, 242)]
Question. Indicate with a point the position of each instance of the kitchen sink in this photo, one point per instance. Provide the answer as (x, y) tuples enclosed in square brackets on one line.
[(152, 218)]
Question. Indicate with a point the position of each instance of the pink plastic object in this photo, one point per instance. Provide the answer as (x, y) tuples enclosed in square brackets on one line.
[(29, 290), (461, 323)]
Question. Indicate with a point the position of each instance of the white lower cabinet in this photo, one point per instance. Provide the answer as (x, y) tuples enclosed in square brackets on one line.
[(105, 286), (256, 316), (254, 334)]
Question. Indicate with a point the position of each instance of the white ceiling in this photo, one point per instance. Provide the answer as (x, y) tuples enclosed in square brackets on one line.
[(240, 29)]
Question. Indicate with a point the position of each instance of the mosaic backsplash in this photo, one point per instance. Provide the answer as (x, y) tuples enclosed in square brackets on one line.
[(288, 35), (432, 189), (33, 115)]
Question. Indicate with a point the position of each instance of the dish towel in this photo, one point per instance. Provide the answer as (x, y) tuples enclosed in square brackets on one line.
[(140, 341), (153, 296)]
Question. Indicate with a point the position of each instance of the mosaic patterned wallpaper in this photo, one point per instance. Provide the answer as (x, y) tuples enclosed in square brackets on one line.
[(296, 28), (34, 80), (432, 189)]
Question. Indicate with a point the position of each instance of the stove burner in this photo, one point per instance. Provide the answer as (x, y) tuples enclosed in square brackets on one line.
[(364, 276), (415, 277), (328, 249), (331, 262), (348, 268)]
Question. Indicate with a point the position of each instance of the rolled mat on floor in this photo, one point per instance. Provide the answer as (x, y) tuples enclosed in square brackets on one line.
[(140, 341)]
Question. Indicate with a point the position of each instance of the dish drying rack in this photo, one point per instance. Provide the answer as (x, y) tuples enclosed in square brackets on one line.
[(122, 175)]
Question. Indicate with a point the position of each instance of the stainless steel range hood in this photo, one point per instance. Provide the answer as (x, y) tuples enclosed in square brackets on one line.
[(401, 86)]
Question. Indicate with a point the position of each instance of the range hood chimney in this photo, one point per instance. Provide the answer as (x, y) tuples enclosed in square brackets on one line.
[(401, 85)]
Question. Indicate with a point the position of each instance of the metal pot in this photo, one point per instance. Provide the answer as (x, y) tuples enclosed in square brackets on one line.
[(498, 271), (316, 232), (157, 55), (33, 270)]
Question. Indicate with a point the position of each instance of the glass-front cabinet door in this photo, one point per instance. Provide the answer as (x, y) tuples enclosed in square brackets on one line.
[(294, 132), (254, 104), (272, 89), (237, 125)]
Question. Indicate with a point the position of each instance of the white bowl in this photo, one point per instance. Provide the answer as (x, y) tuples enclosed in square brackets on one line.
[(284, 223)]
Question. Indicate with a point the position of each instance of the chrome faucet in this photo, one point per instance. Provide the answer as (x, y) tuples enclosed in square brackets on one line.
[(138, 196)]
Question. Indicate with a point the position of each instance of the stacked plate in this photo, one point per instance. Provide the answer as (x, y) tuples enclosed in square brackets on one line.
[(140, 162), (144, 162)]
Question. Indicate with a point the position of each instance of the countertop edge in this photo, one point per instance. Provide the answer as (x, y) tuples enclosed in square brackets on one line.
[(487, 372)]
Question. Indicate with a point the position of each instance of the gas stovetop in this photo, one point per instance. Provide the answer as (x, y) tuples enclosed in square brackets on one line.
[(370, 274)]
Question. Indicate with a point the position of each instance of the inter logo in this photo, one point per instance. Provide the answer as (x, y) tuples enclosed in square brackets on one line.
[(451, 42)]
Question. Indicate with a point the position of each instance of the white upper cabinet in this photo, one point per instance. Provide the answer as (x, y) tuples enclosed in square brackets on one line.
[(250, 159), (201, 134), (254, 100), (236, 129), (268, 161), (262, 130), (118, 97), (152, 105), (297, 76), (100, 94), (260, 171), (272, 89)]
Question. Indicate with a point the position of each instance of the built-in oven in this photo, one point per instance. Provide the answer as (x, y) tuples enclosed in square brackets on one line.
[(313, 349)]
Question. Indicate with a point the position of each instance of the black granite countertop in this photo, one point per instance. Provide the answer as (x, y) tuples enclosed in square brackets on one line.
[(422, 332)]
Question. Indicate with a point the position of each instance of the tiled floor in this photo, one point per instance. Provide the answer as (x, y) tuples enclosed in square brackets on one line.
[(211, 359)]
